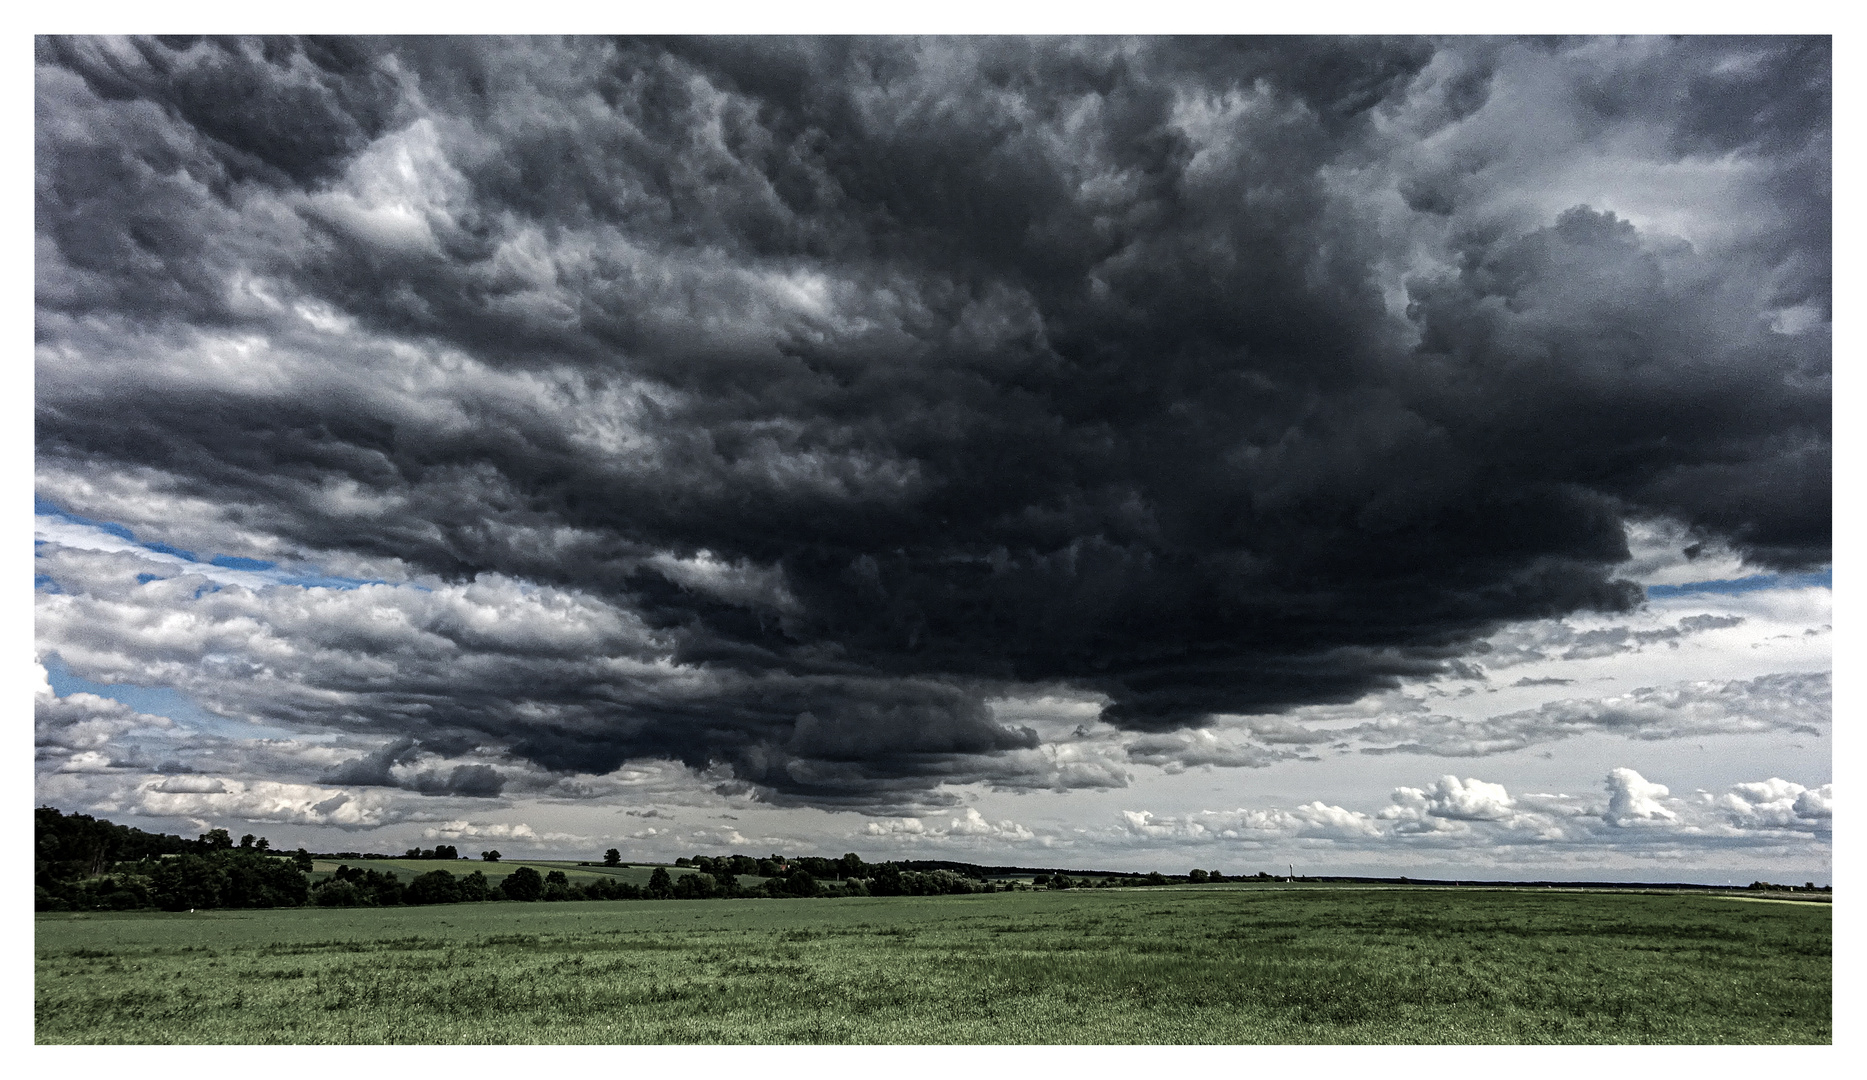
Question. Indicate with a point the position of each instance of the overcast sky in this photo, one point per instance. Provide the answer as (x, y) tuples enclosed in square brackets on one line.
[(1376, 456)]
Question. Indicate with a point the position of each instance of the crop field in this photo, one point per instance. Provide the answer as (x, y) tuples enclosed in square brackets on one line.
[(1225, 964)]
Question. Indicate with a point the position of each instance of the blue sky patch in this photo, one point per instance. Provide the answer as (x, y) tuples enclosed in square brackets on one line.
[(41, 506), (327, 581), (154, 700), (235, 562), (1754, 583), (304, 577)]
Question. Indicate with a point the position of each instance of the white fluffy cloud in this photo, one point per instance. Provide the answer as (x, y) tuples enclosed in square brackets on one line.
[(1313, 820), (1449, 805), (1632, 799), (462, 829), (1779, 804), (975, 824), (972, 826), (220, 799), (1631, 813), (1469, 800)]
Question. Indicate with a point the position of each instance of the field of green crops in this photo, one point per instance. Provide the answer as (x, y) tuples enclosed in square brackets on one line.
[(1226, 964)]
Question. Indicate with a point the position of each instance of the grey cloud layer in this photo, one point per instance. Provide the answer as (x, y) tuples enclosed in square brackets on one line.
[(1785, 703), (1790, 702), (826, 386)]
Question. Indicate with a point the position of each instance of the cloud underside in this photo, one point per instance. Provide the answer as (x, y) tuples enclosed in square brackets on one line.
[(772, 406)]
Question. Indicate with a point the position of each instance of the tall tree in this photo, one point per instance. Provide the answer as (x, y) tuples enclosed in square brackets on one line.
[(523, 884), (433, 887)]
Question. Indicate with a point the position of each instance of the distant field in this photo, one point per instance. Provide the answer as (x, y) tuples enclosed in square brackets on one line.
[(408, 869), (1233, 964)]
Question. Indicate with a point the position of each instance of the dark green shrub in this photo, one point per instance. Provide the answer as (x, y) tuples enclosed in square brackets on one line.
[(334, 893)]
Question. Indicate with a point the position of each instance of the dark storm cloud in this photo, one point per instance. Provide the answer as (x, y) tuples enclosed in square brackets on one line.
[(482, 781), (373, 768), (1210, 375), (564, 680)]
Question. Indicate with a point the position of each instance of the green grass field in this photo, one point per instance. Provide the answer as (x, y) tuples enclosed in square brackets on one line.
[(1231, 964)]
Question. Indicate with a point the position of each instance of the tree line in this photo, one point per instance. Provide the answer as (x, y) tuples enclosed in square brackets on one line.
[(82, 863), (89, 864)]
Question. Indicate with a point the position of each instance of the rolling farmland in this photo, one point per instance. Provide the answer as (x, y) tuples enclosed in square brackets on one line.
[(1215, 964)]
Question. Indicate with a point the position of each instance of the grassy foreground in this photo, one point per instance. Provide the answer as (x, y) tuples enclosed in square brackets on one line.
[(1228, 964)]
